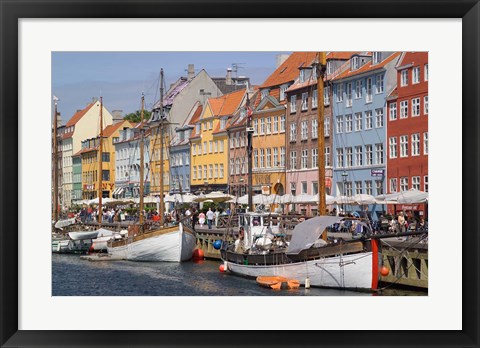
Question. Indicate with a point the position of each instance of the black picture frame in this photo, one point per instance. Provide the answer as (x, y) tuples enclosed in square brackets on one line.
[(11, 11)]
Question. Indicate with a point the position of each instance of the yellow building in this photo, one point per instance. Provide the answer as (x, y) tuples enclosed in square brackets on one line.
[(156, 145), (90, 169), (209, 143)]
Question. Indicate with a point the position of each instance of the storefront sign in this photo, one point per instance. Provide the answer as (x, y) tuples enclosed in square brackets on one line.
[(377, 172), (89, 187), (408, 207)]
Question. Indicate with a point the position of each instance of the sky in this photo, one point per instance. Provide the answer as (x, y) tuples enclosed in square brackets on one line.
[(121, 77)]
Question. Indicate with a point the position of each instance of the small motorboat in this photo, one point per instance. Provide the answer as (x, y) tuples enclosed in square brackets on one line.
[(276, 282)]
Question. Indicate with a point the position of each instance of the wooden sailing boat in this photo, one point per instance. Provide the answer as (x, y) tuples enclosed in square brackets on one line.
[(308, 257), (154, 241)]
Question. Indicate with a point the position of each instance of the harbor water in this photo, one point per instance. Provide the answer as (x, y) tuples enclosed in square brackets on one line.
[(72, 276)]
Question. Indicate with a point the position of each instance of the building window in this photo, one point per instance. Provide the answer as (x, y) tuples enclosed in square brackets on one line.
[(314, 128), (404, 183), (269, 125), (339, 92), (282, 123), (379, 153), (275, 124), (232, 165), (210, 171), (393, 111), (379, 186), (379, 84), (416, 144), (404, 109), (425, 72), (205, 172), (215, 146), (340, 157), (282, 92), (393, 185), (354, 63), (348, 123), (404, 78), (221, 171), (392, 144), (314, 158), (425, 183), (293, 131), (326, 128), (304, 187), (269, 158), (378, 118), (358, 121), (376, 57), (293, 188), (416, 182), (404, 146), (210, 127), (194, 172), (314, 99), (348, 189), (425, 105), (255, 158), (262, 126), (329, 67), (304, 162), (416, 107), (262, 158), (282, 156), (368, 120), (416, 75), (314, 188), (237, 166), (304, 130), (264, 93), (302, 76), (368, 187), (326, 95), (221, 145), (425, 143), (368, 92), (205, 147), (358, 156), (293, 104), (368, 155), (304, 101), (358, 89), (349, 157), (349, 95), (210, 146), (275, 157), (327, 156), (358, 187), (339, 124), (293, 159)]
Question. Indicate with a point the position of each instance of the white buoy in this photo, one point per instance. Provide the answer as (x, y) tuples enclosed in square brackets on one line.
[(307, 283)]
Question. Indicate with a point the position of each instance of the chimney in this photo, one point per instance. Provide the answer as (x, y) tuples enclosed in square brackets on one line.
[(281, 58), (228, 79), (117, 115), (191, 71)]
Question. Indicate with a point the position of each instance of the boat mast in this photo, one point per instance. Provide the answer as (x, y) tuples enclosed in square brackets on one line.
[(141, 163), (55, 162), (100, 164), (249, 153), (161, 205), (321, 136)]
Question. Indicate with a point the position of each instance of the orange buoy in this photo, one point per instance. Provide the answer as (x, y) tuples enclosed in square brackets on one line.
[(222, 268), (384, 271), (198, 254)]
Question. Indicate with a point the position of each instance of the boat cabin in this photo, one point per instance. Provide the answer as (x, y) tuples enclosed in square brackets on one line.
[(258, 224)]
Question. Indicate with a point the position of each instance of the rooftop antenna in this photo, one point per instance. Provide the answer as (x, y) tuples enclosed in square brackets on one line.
[(236, 66)]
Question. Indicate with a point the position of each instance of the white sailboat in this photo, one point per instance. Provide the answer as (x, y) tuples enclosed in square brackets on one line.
[(154, 241)]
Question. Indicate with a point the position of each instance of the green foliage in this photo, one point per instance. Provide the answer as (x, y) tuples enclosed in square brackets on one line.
[(135, 116)]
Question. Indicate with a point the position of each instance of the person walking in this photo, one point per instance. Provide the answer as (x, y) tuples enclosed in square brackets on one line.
[(210, 216), (217, 215), (201, 219)]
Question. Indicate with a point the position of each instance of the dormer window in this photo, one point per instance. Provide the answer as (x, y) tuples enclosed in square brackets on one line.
[(354, 63), (302, 76), (264, 93), (329, 67), (282, 91), (376, 57)]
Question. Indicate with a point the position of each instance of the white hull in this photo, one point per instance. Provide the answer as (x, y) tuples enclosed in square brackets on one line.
[(83, 235), (174, 246), (350, 271)]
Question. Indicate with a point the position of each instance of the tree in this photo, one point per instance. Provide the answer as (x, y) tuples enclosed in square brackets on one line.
[(135, 116)]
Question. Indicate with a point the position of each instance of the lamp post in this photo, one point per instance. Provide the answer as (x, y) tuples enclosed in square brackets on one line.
[(344, 177)]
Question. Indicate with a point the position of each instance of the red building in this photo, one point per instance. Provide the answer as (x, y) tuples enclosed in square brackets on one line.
[(407, 130)]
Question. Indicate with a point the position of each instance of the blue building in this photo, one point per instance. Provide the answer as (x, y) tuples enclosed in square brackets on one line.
[(127, 164), (359, 126)]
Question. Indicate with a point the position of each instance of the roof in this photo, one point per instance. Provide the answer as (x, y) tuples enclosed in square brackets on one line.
[(227, 103), (221, 83), (109, 130), (78, 115), (67, 135), (174, 90), (339, 55), (288, 70), (366, 67)]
